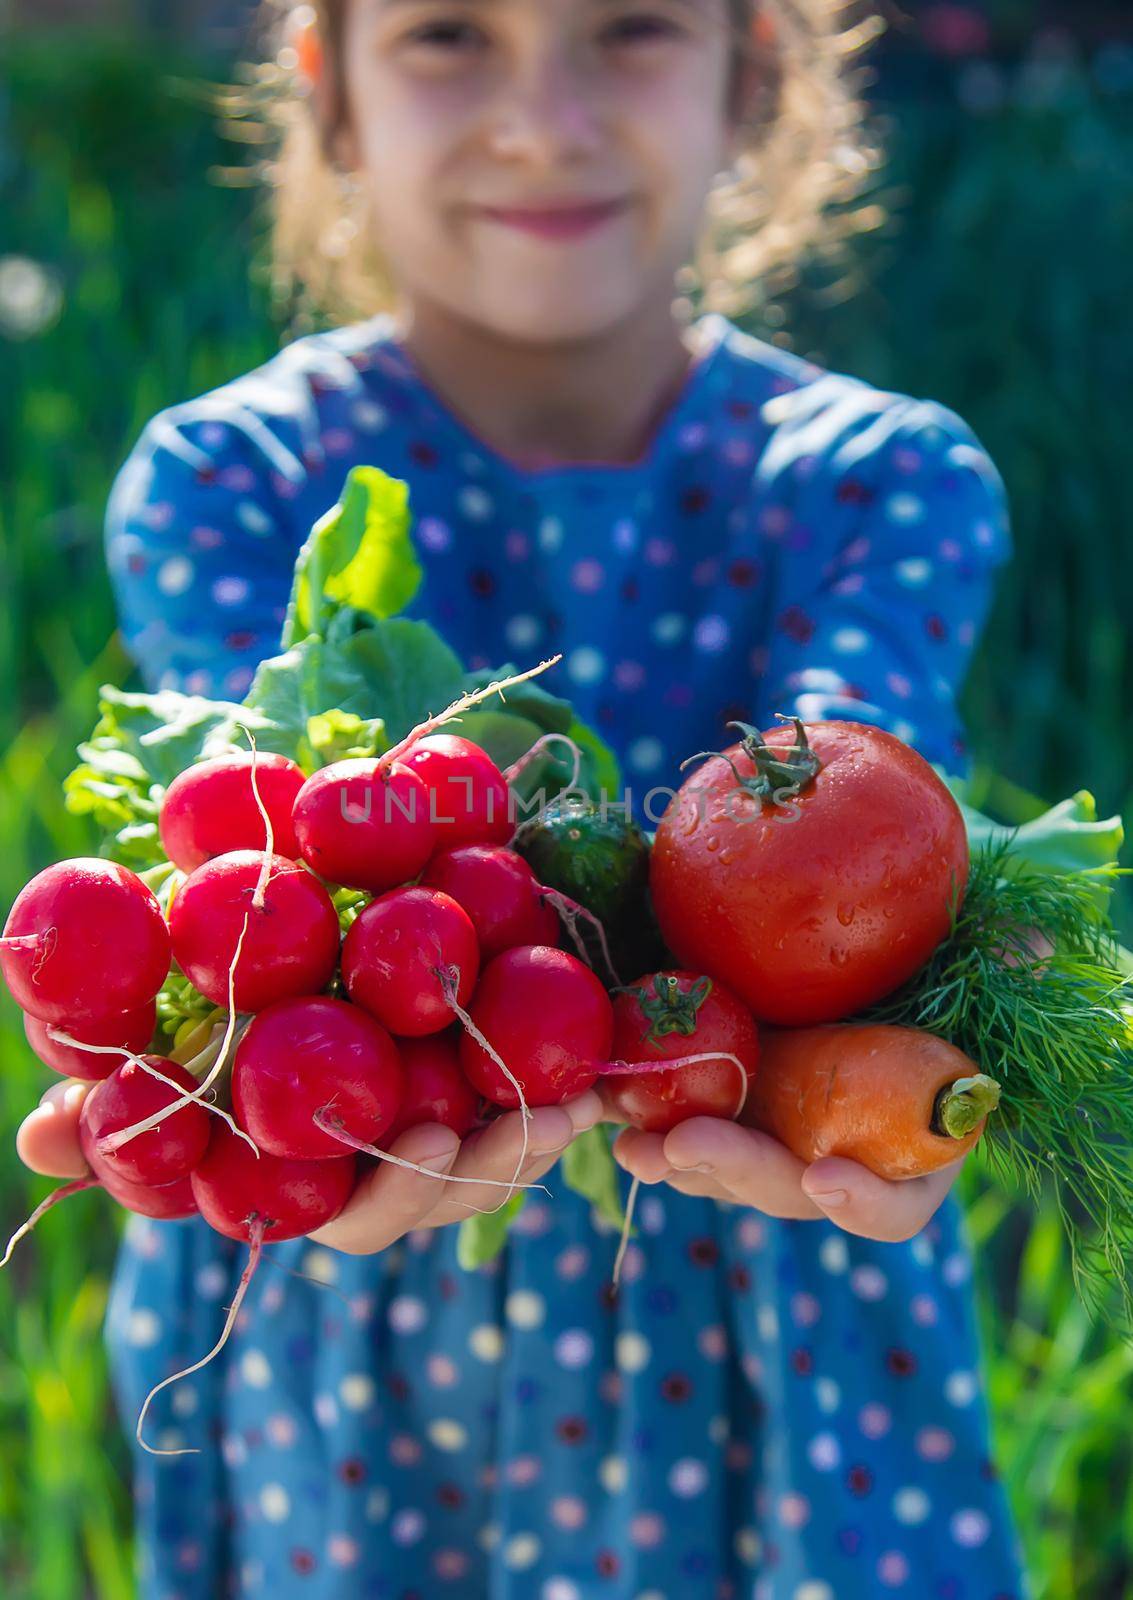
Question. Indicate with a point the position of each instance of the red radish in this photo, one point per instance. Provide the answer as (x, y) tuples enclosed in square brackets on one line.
[(130, 1094), (133, 1030), (549, 1019), (436, 1089), (291, 943), (391, 950), (500, 893), (298, 1057), (85, 938), (235, 1189), (363, 825), (166, 1202), (676, 1014), (470, 796), (210, 809)]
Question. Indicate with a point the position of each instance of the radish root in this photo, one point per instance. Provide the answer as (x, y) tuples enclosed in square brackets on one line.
[(115, 1140), (256, 1230), (111, 1142), (512, 772), (269, 846), (627, 1224), (461, 704), (570, 911), (337, 1131), (53, 1199), (448, 977)]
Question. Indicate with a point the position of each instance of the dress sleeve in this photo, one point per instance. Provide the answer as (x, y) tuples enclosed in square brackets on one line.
[(200, 549), (883, 631)]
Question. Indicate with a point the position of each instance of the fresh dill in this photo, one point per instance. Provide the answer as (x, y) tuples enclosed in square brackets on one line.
[(1056, 1032)]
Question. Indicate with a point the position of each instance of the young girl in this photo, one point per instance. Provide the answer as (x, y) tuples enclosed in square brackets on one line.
[(784, 1400)]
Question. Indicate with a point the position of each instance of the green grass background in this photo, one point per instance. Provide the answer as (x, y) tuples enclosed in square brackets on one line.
[(1000, 288)]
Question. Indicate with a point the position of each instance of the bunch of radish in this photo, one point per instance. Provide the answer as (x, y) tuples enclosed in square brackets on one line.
[(441, 993)]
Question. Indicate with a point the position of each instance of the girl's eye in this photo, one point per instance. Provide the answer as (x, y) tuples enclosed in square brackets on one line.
[(461, 35), (443, 34), (641, 27)]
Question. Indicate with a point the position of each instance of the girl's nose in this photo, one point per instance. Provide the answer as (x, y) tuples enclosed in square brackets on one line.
[(546, 112)]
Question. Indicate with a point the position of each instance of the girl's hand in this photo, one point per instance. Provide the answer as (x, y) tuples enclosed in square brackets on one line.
[(47, 1140), (390, 1201), (722, 1161)]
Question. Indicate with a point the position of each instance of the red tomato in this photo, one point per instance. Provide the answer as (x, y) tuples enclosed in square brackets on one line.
[(672, 1014), (824, 900)]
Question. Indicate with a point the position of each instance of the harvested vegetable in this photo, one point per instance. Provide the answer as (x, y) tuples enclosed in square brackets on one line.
[(811, 868), (1054, 1031), (211, 808), (692, 1020), (548, 1017), (899, 1100), (85, 938), (599, 857)]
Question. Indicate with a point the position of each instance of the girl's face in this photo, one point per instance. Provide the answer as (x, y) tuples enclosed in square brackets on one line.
[(457, 106)]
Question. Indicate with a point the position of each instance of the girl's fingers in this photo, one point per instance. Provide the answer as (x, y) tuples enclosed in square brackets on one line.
[(494, 1152), (741, 1165), (879, 1208), (48, 1138), (389, 1200), (642, 1155)]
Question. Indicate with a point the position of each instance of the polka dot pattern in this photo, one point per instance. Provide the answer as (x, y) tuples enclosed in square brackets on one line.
[(769, 1409)]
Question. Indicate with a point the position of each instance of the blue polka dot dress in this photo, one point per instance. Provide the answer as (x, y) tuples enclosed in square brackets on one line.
[(769, 1409)]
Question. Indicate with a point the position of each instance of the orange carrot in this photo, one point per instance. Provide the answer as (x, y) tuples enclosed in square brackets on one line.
[(900, 1101)]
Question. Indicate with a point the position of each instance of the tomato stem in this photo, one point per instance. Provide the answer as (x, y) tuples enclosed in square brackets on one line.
[(779, 775), (668, 1010), (962, 1105)]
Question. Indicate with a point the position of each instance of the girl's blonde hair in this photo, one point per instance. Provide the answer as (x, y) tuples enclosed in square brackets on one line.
[(807, 153)]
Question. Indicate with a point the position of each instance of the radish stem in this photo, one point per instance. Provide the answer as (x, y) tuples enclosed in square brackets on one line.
[(610, 1069)]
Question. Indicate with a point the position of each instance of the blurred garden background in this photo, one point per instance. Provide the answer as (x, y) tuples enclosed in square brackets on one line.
[(131, 277)]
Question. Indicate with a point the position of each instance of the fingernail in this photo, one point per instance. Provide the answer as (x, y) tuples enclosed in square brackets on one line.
[(583, 1116), (547, 1141), (830, 1200), (436, 1150), (687, 1166)]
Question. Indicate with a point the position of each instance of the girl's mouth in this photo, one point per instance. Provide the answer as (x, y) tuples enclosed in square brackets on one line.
[(559, 224)]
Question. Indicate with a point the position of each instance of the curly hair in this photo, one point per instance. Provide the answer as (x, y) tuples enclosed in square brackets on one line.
[(798, 189)]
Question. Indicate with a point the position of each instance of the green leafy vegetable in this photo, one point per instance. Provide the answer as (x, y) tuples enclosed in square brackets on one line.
[(359, 555), (1067, 837), (589, 1168), (481, 1238)]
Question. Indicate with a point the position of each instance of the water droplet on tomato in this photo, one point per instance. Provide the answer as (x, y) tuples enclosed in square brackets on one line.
[(846, 914), (838, 956), (712, 842), (727, 856)]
